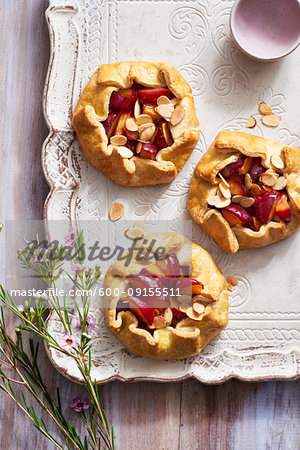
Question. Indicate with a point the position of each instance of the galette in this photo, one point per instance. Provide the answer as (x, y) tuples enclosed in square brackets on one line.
[(136, 122), (168, 306), (245, 191)]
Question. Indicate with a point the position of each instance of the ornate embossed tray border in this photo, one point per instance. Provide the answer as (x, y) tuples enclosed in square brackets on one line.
[(262, 341)]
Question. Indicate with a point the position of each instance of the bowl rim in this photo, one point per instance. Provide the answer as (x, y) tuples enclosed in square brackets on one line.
[(251, 55)]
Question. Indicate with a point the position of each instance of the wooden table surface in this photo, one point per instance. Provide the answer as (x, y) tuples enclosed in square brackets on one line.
[(187, 415)]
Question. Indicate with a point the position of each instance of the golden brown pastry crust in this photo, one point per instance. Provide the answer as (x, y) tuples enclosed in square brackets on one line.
[(226, 149), (189, 336), (93, 107)]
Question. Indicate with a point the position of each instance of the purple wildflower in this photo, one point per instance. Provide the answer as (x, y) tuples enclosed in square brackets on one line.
[(89, 324), (78, 405), (71, 237), (78, 268), (68, 342)]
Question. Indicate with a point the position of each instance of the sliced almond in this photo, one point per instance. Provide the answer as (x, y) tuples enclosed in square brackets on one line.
[(277, 162), (125, 152), (256, 189), (168, 315), (212, 201), (138, 147), (140, 225), (131, 124), (178, 115), (232, 280), (116, 211), (147, 133), (144, 126), (206, 298), (265, 109), (225, 191), (165, 110), (134, 233), (163, 100), (223, 202), (237, 198), (246, 202), (198, 307), (192, 314), (144, 118), (159, 322), (129, 165), (269, 179), (225, 183), (248, 181), (137, 109), (183, 308), (251, 122), (280, 184), (271, 121), (118, 139)]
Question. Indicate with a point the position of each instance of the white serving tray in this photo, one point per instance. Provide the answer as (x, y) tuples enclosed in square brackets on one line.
[(262, 340)]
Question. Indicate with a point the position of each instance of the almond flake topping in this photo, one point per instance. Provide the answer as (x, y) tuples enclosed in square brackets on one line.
[(125, 152), (178, 115), (118, 139), (237, 198), (248, 181), (137, 109), (116, 211), (232, 280), (165, 110), (131, 124), (223, 180), (138, 147), (277, 162), (251, 122), (134, 233), (163, 100), (225, 191), (159, 322), (280, 184), (192, 314), (271, 121), (246, 202), (203, 298), (255, 188), (168, 315), (265, 109), (198, 307), (223, 202), (212, 201), (147, 132), (269, 179), (144, 118)]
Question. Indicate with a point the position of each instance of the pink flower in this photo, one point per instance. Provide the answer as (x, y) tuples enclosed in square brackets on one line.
[(68, 342), (78, 405), (78, 268), (89, 324), (71, 237)]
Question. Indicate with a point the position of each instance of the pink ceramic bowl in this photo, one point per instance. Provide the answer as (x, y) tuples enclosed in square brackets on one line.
[(266, 29)]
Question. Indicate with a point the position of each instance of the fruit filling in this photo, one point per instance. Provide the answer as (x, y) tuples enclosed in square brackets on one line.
[(162, 294), (250, 195), (139, 118)]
